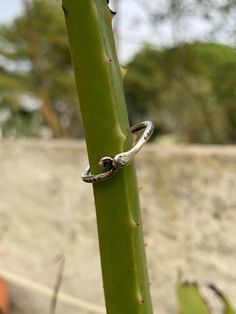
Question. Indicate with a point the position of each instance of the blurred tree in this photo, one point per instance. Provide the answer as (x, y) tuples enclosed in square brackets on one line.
[(183, 17), (36, 78), (188, 90)]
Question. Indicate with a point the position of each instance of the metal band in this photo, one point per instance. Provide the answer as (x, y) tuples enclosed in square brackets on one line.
[(112, 165)]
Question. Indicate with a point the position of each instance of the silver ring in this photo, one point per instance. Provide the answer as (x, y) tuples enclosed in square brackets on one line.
[(112, 165)]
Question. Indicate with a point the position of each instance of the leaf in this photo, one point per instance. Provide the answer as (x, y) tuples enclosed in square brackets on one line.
[(190, 299), (228, 309)]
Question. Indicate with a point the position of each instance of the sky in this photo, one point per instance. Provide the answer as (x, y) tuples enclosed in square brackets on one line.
[(9, 9), (134, 31), (12, 8)]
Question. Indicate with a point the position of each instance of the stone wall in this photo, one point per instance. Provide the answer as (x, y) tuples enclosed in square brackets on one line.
[(188, 198)]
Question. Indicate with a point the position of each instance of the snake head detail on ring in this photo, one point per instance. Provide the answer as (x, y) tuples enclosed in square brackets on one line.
[(112, 165)]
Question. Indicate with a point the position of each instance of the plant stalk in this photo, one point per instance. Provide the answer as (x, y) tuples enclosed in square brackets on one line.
[(107, 132)]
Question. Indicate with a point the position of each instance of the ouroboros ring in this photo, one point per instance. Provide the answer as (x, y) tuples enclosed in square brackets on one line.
[(112, 165)]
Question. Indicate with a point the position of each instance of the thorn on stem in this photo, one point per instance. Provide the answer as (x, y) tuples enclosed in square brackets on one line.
[(64, 10), (113, 13)]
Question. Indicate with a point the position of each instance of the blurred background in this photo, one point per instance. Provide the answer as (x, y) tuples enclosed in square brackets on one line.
[(181, 73), (180, 57)]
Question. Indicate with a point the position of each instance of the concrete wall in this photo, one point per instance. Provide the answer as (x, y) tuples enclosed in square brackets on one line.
[(188, 198)]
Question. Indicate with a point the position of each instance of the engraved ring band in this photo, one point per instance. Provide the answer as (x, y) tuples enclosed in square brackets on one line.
[(112, 165)]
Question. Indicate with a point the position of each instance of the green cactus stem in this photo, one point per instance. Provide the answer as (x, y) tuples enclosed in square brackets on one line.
[(101, 96)]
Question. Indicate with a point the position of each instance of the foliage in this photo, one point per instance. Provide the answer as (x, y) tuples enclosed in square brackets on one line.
[(36, 74), (188, 90), (180, 17), (191, 300)]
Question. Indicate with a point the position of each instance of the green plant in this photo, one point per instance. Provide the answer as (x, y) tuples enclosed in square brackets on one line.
[(188, 89), (192, 302), (37, 85), (100, 87)]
